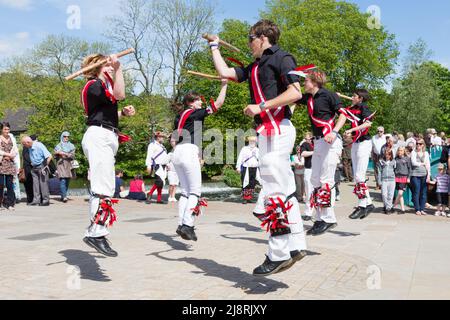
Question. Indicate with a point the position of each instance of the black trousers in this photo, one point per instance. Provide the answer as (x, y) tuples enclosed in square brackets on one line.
[(7, 181), (251, 177)]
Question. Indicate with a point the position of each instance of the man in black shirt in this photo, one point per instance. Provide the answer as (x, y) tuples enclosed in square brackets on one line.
[(361, 119), (323, 106), (100, 143), (187, 155), (272, 90)]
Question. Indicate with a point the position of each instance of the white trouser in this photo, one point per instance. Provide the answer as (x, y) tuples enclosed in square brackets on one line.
[(100, 147), (308, 191), (278, 181), (187, 165), (16, 185), (387, 192), (361, 152), (324, 162), (173, 178)]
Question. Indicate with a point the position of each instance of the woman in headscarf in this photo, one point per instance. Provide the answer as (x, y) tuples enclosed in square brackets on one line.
[(64, 154)]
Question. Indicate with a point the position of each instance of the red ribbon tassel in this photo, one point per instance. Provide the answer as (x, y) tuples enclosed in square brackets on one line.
[(274, 219), (123, 138), (106, 212), (197, 211)]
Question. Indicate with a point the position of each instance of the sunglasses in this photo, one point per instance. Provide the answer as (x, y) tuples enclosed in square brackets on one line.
[(251, 37)]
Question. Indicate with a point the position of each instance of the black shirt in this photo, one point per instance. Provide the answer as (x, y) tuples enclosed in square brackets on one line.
[(326, 106), (274, 66), (362, 112), (307, 147), (101, 110), (196, 118)]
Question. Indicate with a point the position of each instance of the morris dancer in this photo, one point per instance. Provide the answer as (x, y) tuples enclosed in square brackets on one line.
[(157, 160), (361, 119), (100, 143), (272, 90), (323, 106), (247, 165), (187, 157)]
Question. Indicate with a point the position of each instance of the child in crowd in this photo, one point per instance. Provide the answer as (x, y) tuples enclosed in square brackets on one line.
[(442, 188), (402, 172), (388, 180)]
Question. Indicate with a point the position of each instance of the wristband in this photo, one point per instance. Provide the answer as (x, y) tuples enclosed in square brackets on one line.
[(214, 45)]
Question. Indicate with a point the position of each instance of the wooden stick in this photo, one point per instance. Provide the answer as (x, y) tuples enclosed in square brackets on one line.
[(345, 97), (211, 37), (98, 64), (204, 75)]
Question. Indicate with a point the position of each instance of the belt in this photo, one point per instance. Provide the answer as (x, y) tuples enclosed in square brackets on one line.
[(38, 166), (104, 126), (338, 136)]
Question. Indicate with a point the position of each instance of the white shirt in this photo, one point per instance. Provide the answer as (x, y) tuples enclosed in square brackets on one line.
[(298, 162), (248, 157), (378, 142), (436, 141), (156, 152), (16, 150)]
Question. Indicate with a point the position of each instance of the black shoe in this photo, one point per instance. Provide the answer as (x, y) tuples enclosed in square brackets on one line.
[(368, 210), (295, 257), (179, 230), (33, 204), (306, 218), (323, 227), (270, 267), (316, 225), (401, 212), (161, 202), (188, 233), (44, 204), (101, 245), (259, 216), (149, 199), (357, 213)]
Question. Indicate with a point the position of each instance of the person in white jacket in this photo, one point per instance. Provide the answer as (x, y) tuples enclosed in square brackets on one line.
[(17, 163), (157, 160), (247, 165)]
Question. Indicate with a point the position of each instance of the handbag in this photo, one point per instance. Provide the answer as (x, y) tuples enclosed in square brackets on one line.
[(75, 164), (22, 176)]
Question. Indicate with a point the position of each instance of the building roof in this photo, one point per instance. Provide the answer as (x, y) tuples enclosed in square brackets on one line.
[(18, 119)]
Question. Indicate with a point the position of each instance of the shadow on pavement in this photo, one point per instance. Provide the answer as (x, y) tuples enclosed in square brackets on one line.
[(245, 226), (169, 240), (88, 265), (247, 282), (231, 237)]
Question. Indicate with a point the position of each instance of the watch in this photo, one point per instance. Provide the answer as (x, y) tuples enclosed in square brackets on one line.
[(262, 105)]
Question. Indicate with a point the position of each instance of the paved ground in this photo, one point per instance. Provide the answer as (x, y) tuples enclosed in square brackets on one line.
[(382, 257)]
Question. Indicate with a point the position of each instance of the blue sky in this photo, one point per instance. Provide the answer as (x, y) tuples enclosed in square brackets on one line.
[(26, 22)]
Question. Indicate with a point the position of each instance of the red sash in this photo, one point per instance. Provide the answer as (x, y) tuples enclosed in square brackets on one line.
[(108, 92), (327, 125), (184, 116), (272, 118), (354, 120)]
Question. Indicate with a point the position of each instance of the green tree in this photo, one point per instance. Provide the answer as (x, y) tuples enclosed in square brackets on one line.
[(335, 36), (441, 76)]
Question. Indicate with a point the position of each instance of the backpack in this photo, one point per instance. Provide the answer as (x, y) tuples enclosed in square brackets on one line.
[(444, 155)]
